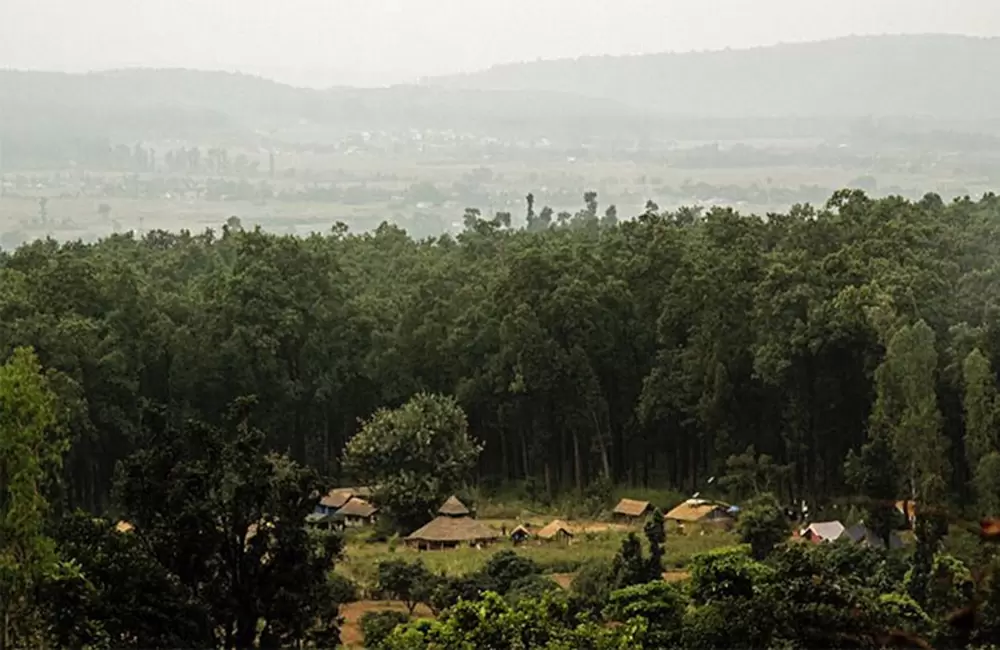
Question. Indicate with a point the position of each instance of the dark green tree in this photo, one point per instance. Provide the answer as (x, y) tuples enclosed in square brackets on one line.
[(227, 519), (415, 457), (763, 525)]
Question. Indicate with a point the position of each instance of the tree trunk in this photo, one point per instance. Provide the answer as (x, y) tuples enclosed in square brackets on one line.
[(577, 470)]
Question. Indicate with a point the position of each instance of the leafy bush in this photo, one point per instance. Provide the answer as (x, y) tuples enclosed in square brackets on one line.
[(725, 573), (899, 611), (661, 604), (532, 587), (448, 592), (377, 626), (763, 525), (343, 589), (507, 567), (410, 582)]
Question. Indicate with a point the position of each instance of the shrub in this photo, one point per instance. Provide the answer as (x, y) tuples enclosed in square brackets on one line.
[(410, 582), (507, 567), (592, 585), (342, 588), (661, 604), (725, 573), (377, 626), (531, 587)]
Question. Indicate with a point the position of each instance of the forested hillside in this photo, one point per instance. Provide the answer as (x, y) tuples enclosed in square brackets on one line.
[(847, 77), (650, 350)]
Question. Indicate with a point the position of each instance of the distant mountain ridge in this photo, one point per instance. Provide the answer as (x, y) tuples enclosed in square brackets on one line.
[(940, 76)]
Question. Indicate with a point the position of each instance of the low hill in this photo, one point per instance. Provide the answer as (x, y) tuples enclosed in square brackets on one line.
[(187, 103), (944, 77)]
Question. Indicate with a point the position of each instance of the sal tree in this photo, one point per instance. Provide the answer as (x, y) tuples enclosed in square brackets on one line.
[(228, 520), (414, 457), (30, 452)]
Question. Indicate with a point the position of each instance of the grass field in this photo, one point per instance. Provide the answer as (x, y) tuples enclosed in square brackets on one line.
[(600, 542)]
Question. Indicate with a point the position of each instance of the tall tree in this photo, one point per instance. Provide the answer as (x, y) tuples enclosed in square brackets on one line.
[(228, 520), (414, 457), (980, 406), (906, 408), (31, 451)]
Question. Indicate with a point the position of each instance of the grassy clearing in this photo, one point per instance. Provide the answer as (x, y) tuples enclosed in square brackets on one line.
[(513, 504), (362, 558)]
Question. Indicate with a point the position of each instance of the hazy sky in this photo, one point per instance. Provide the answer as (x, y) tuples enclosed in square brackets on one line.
[(322, 42)]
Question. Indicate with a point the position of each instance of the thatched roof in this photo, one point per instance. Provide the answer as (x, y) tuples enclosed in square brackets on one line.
[(336, 498), (356, 507), (554, 529), (454, 529), (694, 510), (632, 508), (453, 507), (520, 531)]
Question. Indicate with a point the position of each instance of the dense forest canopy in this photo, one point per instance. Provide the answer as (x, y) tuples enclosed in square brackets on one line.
[(649, 350)]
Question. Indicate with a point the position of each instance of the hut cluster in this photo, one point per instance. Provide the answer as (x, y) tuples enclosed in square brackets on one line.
[(344, 507)]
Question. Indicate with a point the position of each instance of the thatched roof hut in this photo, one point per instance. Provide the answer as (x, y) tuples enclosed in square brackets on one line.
[(449, 532), (356, 508), (699, 511), (556, 529), (453, 508), (520, 534), (336, 498), (629, 510)]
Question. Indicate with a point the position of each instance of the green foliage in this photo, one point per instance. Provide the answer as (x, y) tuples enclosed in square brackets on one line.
[(872, 473), (900, 612), (661, 605), (492, 623), (228, 520), (749, 474), (906, 408), (592, 584), (342, 589), (629, 567), (763, 525), (377, 626), (531, 587), (416, 456), (31, 451), (409, 582), (506, 568), (726, 573), (656, 537), (123, 597), (980, 403), (986, 480), (948, 587)]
